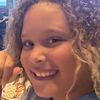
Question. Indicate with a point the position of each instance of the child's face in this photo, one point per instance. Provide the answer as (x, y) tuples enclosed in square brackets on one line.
[(47, 54)]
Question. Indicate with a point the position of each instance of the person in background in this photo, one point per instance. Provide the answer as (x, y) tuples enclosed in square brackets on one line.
[(52, 51)]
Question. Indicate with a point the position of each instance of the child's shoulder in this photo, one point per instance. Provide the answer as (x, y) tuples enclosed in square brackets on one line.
[(90, 96)]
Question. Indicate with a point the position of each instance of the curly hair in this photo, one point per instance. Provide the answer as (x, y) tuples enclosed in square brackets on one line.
[(84, 21)]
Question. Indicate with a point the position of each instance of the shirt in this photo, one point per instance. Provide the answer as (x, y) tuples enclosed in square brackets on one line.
[(30, 95)]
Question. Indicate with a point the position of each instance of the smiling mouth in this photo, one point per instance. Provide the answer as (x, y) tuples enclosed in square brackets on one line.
[(45, 75)]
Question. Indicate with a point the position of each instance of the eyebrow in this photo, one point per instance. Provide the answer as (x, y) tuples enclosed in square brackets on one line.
[(53, 31)]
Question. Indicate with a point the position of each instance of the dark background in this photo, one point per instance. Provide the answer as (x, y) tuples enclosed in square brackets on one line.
[(4, 13)]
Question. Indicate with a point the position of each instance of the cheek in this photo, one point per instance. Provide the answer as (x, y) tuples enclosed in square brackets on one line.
[(24, 59), (25, 62), (63, 57)]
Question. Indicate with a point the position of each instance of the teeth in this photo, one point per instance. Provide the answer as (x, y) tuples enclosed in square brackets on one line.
[(38, 74), (44, 74)]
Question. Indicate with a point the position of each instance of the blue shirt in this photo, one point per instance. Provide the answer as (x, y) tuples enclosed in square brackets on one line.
[(30, 95), (90, 96)]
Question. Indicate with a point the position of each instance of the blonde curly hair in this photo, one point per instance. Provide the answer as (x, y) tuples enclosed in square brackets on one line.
[(84, 22)]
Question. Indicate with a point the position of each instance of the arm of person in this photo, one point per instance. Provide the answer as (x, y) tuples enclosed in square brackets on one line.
[(8, 72)]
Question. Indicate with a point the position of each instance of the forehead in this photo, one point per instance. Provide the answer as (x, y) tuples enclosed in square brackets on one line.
[(44, 9), (43, 16)]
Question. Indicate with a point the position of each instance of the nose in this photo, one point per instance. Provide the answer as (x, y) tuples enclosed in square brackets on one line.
[(37, 57)]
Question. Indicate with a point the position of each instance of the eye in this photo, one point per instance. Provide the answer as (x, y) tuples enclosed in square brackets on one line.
[(27, 45), (53, 41)]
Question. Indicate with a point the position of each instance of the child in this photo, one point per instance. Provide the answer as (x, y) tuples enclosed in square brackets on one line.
[(57, 42)]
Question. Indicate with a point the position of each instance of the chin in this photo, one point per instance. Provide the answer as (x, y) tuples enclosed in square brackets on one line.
[(45, 93)]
